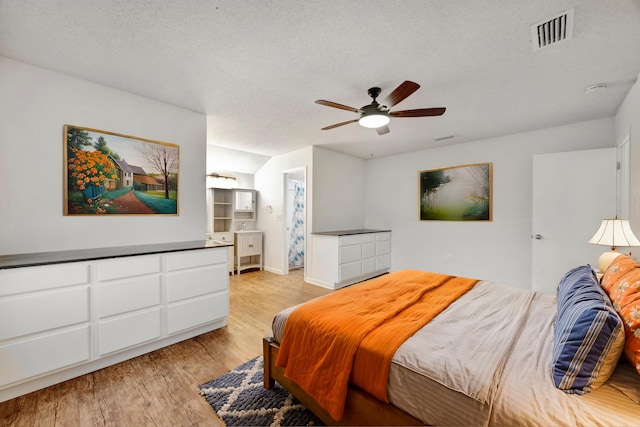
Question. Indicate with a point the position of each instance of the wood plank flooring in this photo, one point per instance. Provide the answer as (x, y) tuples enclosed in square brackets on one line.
[(161, 388)]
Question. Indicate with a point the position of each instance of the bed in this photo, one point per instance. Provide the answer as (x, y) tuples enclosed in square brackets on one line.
[(491, 356)]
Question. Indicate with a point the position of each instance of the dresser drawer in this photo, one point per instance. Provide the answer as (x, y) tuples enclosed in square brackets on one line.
[(383, 236), (350, 270), (350, 253), (368, 250), (43, 311), (353, 239), (128, 295), (28, 358), (369, 237), (195, 312), (383, 262), (128, 331), (22, 280), (368, 265), (128, 267), (191, 283), (383, 247), (191, 259), (223, 237)]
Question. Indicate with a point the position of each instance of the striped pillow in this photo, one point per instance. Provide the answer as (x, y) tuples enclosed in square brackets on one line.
[(588, 333)]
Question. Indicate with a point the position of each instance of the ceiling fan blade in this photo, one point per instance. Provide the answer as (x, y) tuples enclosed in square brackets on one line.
[(400, 93), (383, 130), (339, 124), (336, 105), (420, 112)]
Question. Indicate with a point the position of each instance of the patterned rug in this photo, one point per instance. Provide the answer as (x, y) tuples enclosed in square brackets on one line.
[(239, 398)]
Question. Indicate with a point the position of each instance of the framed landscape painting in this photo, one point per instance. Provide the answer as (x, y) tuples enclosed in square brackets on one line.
[(457, 193), (107, 173)]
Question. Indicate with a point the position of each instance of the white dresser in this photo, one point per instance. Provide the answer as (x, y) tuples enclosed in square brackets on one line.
[(341, 258), (62, 320)]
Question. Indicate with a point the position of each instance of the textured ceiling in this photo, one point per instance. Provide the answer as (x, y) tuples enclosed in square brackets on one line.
[(256, 67)]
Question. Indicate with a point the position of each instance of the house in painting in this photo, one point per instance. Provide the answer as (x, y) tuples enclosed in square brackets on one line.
[(147, 183), (133, 176)]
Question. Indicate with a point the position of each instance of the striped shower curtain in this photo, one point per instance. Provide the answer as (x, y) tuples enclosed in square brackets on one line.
[(296, 244)]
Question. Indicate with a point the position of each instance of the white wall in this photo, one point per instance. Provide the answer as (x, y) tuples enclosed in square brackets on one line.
[(334, 192), (269, 181), (499, 250), (35, 104), (222, 159), (627, 123), (338, 194)]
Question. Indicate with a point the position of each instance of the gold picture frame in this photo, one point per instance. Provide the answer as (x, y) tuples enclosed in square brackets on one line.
[(457, 193), (107, 173)]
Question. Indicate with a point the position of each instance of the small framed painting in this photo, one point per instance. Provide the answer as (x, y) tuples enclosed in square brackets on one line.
[(107, 173), (457, 193)]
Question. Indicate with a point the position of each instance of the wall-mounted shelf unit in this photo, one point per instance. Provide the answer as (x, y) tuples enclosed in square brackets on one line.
[(244, 209), (222, 210)]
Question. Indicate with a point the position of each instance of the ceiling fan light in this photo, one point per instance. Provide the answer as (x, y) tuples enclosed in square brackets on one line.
[(373, 121)]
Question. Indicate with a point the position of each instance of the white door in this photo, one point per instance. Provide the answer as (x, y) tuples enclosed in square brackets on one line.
[(572, 193)]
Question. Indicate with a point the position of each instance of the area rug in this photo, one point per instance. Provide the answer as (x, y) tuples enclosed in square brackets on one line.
[(239, 398)]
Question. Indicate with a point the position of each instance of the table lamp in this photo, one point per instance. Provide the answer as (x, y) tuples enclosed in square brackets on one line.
[(613, 233)]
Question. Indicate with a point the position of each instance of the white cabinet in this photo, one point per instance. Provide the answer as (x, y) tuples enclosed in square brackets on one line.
[(197, 289), (44, 320), (244, 209), (244, 200), (64, 320), (129, 302), (248, 250), (344, 258)]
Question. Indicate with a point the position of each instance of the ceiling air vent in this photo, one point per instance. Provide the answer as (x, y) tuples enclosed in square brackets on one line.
[(558, 28)]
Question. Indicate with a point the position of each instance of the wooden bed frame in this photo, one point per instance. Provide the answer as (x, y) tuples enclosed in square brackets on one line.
[(360, 407)]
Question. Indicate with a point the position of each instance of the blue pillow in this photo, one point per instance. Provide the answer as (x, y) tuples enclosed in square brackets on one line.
[(588, 333)]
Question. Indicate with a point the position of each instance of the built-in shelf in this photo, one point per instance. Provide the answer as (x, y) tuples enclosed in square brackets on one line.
[(233, 209)]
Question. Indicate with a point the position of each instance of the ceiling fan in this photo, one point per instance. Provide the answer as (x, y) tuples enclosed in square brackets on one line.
[(377, 115)]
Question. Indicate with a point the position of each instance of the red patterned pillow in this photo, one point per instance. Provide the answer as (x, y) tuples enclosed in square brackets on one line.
[(620, 266), (625, 295)]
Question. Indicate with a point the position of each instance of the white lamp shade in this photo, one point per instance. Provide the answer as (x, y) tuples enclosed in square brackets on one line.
[(373, 120), (615, 232)]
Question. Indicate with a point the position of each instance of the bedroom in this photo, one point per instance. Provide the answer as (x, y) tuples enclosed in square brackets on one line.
[(376, 193)]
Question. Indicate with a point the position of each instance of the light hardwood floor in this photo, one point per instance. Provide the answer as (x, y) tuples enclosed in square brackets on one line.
[(161, 388)]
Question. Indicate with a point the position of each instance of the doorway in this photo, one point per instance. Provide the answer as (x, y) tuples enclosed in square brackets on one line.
[(295, 203)]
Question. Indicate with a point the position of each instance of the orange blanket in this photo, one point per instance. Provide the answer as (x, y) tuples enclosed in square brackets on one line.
[(354, 332)]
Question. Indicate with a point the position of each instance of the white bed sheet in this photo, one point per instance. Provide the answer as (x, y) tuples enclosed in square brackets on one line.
[(528, 397), (466, 368)]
